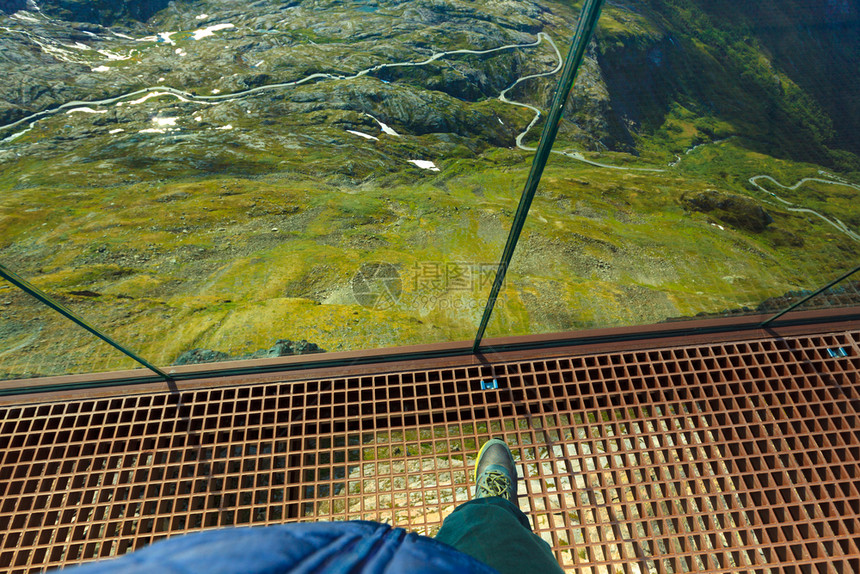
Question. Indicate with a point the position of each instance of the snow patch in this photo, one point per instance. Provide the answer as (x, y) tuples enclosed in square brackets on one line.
[(424, 164), (227, 127), (216, 91), (48, 47), (113, 55), (384, 127), (101, 69), (116, 131), (86, 111), (152, 131), (166, 37), (165, 121), (20, 15), (364, 135), (210, 31), (198, 119), (16, 135), (202, 16), (181, 52)]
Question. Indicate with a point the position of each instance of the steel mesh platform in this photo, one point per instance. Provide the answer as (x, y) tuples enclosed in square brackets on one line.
[(721, 458)]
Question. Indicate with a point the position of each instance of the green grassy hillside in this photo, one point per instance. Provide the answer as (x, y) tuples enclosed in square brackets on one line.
[(230, 224)]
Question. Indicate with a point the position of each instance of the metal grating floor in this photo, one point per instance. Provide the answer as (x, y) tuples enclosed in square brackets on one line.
[(719, 458)]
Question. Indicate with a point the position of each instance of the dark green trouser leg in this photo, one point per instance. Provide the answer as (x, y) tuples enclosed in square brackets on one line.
[(497, 533)]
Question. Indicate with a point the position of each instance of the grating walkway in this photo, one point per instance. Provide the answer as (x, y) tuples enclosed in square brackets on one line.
[(720, 458)]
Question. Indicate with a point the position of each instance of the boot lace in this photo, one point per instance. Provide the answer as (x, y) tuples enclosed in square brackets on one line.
[(494, 484)]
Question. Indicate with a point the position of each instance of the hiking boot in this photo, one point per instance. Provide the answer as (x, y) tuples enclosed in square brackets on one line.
[(496, 474)]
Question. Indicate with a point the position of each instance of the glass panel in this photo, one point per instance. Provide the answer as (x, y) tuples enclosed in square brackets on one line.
[(211, 181), (846, 293), (720, 177), (232, 182), (36, 342)]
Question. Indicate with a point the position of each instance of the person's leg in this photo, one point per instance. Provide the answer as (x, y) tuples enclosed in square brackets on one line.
[(491, 527), (497, 533)]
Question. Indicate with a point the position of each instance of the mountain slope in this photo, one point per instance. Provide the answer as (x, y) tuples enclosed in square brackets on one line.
[(216, 174), (783, 75)]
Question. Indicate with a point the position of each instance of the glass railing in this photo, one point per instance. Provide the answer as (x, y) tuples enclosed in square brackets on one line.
[(331, 189), (725, 209), (842, 292), (35, 341)]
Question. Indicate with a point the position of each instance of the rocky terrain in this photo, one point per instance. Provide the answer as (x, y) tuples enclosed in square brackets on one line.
[(209, 176)]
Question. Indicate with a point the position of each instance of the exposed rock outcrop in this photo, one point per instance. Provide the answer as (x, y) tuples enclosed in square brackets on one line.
[(104, 12), (734, 210), (197, 356), (286, 347), (281, 348)]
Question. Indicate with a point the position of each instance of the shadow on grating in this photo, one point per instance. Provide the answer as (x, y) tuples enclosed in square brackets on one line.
[(733, 457)]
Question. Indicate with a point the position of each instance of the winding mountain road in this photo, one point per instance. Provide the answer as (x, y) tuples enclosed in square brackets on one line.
[(834, 222), (213, 99), (138, 96), (571, 154), (184, 96)]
